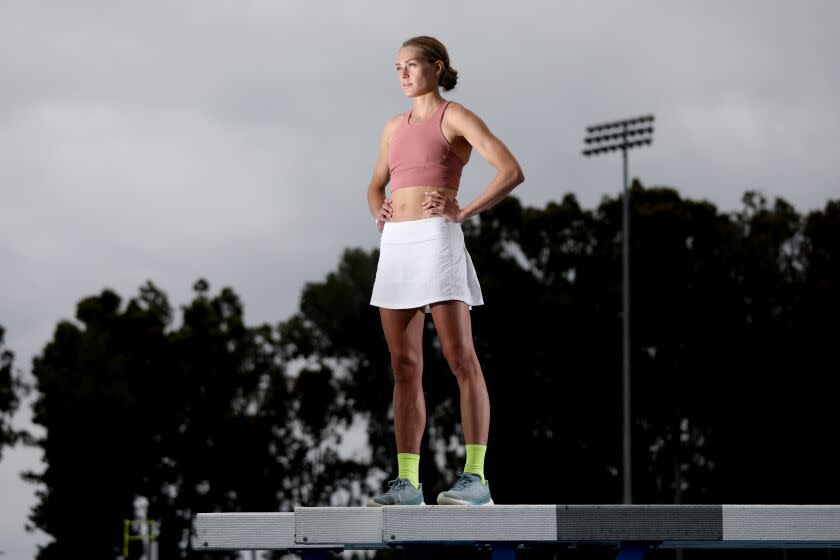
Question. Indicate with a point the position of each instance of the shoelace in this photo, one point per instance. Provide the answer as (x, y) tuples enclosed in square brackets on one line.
[(463, 482), (396, 484)]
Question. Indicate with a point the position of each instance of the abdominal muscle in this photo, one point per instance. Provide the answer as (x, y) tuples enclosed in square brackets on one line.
[(406, 202)]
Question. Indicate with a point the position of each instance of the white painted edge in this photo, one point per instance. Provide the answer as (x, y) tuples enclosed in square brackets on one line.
[(226, 531), (338, 525), (455, 524), (784, 522)]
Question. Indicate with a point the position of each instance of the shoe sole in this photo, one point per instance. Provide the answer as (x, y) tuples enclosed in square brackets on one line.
[(447, 501), (371, 503)]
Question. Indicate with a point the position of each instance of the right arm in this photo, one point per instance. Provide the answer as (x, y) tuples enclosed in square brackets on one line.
[(379, 206)]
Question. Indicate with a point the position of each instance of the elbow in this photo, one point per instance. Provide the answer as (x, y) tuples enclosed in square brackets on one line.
[(517, 176)]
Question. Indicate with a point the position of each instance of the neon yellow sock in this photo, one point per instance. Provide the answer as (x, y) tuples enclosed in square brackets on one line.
[(410, 467), (475, 459)]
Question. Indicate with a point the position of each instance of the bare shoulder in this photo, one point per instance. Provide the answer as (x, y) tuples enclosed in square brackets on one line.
[(460, 111), (463, 121)]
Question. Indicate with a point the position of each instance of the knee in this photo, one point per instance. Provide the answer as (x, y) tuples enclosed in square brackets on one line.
[(461, 359), (407, 366)]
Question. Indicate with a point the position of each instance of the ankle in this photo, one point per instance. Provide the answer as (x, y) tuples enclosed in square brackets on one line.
[(475, 460), (409, 467)]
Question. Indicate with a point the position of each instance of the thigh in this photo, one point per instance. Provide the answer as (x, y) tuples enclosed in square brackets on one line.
[(403, 330), (453, 324)]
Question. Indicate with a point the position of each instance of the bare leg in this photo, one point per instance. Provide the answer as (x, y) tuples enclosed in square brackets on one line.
[(404, 333), (454, 327)]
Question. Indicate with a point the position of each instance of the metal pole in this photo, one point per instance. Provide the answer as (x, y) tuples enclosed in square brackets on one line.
[(628, 490), (603, 138)]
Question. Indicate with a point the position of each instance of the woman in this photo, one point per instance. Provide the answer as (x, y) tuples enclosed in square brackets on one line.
[(424, 265)]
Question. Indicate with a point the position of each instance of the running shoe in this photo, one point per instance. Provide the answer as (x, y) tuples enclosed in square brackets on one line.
[(401, 492), (468, 490)]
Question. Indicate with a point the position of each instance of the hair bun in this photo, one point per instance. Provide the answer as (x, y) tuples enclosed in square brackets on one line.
[(448, 78)]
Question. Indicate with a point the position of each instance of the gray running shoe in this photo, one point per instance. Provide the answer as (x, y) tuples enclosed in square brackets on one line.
[(401, 492), (468, 490)]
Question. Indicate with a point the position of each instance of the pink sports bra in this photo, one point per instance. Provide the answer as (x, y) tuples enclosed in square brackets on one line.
[(420, 155)]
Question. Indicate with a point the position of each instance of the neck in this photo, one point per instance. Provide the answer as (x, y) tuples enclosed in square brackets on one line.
[(425, 105)]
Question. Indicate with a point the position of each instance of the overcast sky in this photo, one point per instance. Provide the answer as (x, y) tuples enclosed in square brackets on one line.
[(235, 140)]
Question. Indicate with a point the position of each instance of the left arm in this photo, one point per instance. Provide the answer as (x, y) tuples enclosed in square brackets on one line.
[(508, 172)]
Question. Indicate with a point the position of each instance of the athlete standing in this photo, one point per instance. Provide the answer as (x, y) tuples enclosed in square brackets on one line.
[(424, 265)]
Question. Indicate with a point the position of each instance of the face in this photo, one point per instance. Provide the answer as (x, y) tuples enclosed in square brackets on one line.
[(416, 76)]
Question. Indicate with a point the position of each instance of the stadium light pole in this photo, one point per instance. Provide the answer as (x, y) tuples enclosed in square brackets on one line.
[(607, 137)]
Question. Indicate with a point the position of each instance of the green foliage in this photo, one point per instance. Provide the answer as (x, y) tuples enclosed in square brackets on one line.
[(720, 342), (731, 350), (202, 417), (11, 389)]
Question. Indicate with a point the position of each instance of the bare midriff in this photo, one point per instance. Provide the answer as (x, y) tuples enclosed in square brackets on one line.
[(406, 202)]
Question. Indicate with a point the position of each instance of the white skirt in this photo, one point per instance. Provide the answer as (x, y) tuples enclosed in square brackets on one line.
[(422, 262)]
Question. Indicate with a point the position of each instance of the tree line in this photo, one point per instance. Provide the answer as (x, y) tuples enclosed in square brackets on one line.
[(733, 357)]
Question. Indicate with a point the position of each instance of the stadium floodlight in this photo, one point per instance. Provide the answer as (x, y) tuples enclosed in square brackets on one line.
[(604, 138)]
